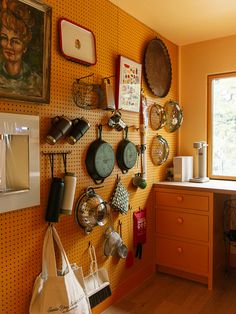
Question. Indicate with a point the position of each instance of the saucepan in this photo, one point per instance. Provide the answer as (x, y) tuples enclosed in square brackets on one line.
[(122, 249), (114, 244)]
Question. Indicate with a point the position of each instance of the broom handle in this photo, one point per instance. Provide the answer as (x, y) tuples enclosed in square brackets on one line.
[(93, 258)]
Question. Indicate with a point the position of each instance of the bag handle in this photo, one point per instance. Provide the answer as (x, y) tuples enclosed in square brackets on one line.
[(65, 262), (49, 267), (48, 256)]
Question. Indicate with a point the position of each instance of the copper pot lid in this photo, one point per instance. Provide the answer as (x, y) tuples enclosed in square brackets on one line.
[(157, 67)]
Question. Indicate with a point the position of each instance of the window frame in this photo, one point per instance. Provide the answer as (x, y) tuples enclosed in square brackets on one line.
[(210, 78)]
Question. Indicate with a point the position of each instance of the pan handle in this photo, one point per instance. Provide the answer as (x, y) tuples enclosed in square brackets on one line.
[(124, 170), (98, 181)]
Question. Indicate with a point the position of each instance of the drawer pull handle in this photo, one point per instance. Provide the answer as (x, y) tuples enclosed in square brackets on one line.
[(180, 220), (180, 250), (179, 198)]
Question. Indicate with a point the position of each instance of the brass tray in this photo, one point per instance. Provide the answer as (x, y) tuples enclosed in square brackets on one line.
[(157, 117), (159, 150), (157, 67), (174, 116)]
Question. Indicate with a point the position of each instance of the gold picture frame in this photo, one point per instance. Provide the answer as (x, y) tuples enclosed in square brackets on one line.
[(25, 50)]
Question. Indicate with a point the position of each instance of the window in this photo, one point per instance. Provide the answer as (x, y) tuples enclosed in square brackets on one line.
[(222, 126)]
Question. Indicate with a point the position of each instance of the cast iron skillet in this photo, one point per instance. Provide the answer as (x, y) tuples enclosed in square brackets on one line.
[(100, 159), (126, 154)]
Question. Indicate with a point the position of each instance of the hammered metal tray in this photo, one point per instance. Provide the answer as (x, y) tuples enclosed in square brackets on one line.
[(157, 67)]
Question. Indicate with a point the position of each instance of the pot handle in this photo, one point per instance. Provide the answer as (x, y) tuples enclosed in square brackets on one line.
[(100, 131), (126, 133), (98, 181)]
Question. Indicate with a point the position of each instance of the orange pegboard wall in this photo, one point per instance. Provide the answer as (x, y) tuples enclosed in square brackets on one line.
[(22, 231)]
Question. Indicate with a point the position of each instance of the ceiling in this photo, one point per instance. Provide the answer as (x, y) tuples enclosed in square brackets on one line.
[(184, 21)]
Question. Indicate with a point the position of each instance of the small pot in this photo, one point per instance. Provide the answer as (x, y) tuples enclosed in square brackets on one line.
[(112, 242), (122, 249)]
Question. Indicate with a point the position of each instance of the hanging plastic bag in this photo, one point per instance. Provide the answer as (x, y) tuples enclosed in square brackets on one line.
[(56, 292)]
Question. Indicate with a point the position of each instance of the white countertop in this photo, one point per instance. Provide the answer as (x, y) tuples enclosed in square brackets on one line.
[(216, 186)]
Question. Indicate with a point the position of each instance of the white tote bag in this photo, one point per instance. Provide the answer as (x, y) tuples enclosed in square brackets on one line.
[(53, 293)]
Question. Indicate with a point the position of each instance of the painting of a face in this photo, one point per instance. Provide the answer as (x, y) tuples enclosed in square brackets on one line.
[(24, 50), (12, 46)]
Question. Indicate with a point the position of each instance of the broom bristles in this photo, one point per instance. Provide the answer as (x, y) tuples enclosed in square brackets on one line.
[(99, 296)]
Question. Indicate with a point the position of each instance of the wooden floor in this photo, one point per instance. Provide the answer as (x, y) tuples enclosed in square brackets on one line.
[(164, 294)]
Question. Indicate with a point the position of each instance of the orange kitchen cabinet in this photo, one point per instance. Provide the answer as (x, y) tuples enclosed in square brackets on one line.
[(184, 233)]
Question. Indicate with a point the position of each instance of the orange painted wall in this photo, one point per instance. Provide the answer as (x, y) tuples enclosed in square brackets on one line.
[(22, 231), (196, 62)]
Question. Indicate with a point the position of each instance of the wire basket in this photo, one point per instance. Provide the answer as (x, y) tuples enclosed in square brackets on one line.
[(86, 95)]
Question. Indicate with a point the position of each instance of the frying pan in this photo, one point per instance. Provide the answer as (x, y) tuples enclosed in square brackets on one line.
[(100, 159), (126, 154)]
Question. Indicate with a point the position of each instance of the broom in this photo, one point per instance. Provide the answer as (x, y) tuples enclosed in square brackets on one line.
[(97, 285)]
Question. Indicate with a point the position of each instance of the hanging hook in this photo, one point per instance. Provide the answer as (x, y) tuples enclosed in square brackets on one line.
[(83, 77), (64, 157), (51, 159)]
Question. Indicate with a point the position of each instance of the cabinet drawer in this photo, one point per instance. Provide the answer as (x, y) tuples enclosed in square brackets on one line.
[(184, 256), (181, 200), (180, 224)]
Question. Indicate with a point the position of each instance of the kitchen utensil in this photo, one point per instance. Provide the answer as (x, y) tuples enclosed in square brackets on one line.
[(91, 210), (69, 189), (112, 242), (157, 117), (120, 198), (200, 160), (80, 127), (97, 285), (100, 159), (116, 122), (140, 179), (108, 102), (86, 94), (159, 150), (130, 255), (126, 154), (55, 195), (60, 127), (157, 67), (122, 249), (174, 116)]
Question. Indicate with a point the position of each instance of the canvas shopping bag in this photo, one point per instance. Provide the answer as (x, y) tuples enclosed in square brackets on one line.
[(53, 293)]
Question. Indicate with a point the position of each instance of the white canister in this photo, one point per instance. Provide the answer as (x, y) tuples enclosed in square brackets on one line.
[(69, 193)]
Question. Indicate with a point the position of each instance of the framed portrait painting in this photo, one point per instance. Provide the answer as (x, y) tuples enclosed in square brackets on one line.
[(25, 50), (128, 84)]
